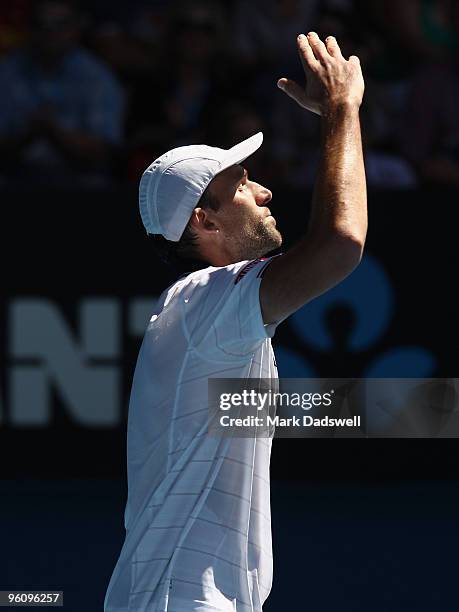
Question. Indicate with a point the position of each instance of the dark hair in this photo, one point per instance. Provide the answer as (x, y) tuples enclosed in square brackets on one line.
[(184, 254)]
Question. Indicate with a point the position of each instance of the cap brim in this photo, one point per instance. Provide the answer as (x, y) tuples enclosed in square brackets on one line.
[(241, 151)]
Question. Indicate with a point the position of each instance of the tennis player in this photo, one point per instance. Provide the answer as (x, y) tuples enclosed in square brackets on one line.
[(197, 519)]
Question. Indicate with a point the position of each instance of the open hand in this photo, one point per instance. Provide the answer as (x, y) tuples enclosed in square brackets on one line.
[(330, 79)]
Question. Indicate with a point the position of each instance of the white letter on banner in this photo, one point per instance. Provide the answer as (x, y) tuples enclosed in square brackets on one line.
[(38, 333)]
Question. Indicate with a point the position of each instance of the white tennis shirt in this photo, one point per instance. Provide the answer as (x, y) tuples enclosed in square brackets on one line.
[(197, 519)]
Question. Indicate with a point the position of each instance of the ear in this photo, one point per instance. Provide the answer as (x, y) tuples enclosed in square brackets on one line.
[(203, 222)]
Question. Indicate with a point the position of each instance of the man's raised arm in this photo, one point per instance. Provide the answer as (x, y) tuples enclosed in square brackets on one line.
[(333, 243)]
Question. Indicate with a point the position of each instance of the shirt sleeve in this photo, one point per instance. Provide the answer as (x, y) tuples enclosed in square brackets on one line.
[(223, 312)]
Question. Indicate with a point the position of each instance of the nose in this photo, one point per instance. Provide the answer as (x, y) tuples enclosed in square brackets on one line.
[(264, 196)]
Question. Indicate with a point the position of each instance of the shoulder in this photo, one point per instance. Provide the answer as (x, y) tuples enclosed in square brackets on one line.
[(229, 275), (233, 273), (235, 283), (215, 284)]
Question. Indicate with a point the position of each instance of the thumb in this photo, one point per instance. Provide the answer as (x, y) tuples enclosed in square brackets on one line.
[(292, 89)]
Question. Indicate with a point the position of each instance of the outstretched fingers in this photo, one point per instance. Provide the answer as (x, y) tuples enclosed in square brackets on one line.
[(306, 54), (328, 75), (318, 48), (333, 47)]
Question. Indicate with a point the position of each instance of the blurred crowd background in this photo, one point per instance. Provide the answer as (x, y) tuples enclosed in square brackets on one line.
[(93, 92)]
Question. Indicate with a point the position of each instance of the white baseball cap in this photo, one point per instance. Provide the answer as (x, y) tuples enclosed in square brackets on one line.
[(170, 188)]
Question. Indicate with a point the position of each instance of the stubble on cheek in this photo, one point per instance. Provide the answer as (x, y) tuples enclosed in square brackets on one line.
[(256, 239)]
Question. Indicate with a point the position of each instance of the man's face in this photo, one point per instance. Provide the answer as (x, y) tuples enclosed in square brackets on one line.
[(246, 228)]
